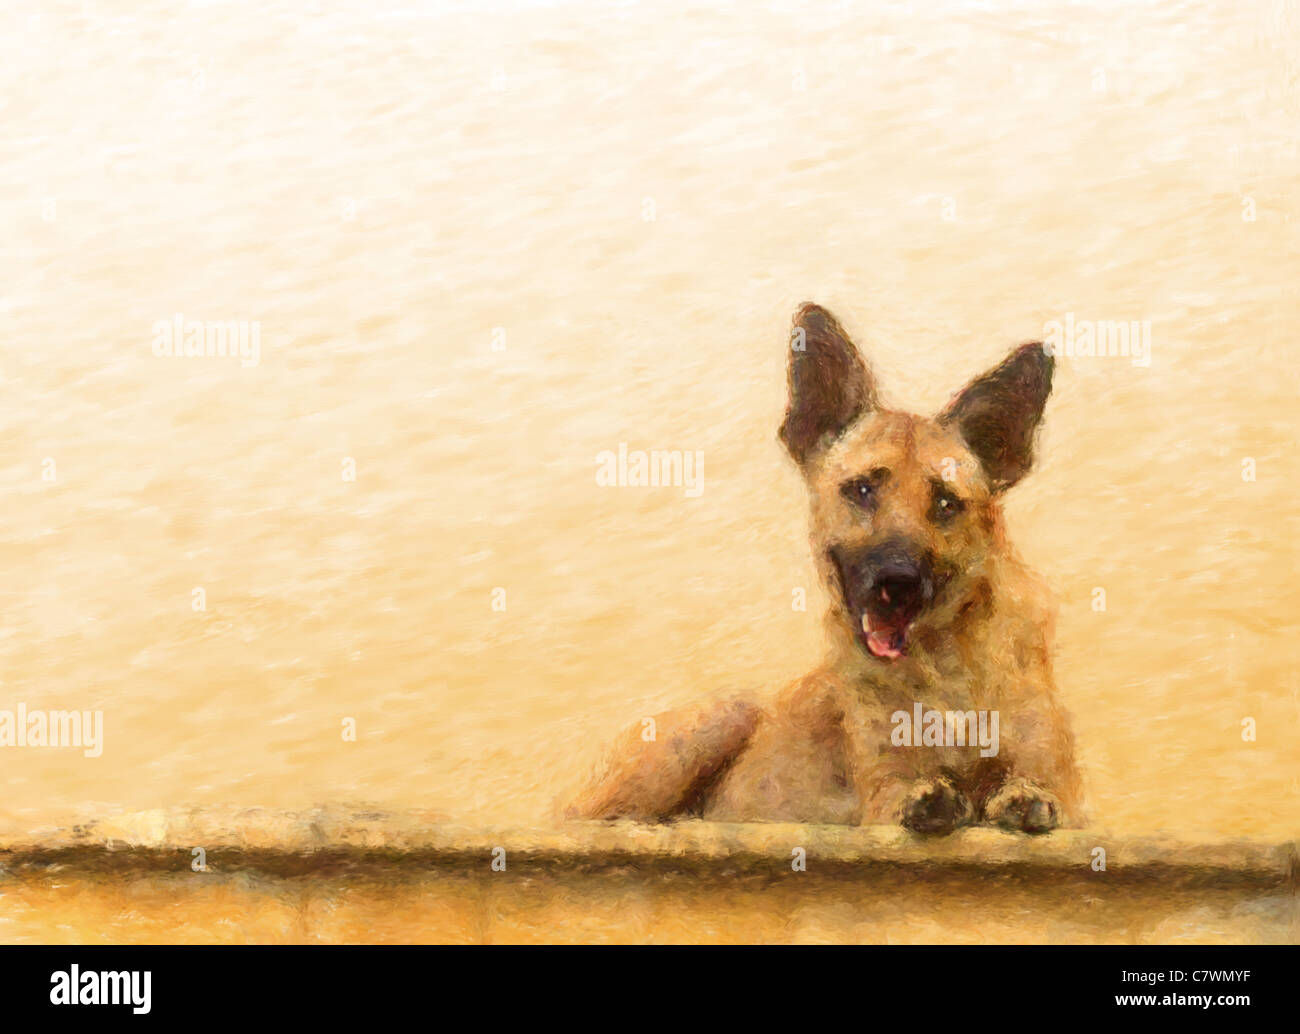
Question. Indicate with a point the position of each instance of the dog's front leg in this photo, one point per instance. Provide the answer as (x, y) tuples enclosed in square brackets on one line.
[(906, 786), (1039, 789)]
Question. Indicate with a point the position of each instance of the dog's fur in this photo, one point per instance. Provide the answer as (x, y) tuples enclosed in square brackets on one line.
[(906, 506)]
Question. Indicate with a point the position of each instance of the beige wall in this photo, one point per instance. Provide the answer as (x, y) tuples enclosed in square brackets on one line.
[(199, 158)]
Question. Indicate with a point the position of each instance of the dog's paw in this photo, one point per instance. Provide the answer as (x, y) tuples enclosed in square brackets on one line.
[(1023, 806), (935, 806)]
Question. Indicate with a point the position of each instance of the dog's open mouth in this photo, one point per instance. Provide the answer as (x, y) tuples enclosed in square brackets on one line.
[(885, 590), (889, 613), (886, 640)]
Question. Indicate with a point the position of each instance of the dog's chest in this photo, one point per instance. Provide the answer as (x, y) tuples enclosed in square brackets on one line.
[(817, 757)]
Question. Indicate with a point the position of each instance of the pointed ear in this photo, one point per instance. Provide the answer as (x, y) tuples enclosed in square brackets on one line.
[(830, 385), (998, 413)]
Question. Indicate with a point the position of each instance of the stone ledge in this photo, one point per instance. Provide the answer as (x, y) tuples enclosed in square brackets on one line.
[(328, 840)]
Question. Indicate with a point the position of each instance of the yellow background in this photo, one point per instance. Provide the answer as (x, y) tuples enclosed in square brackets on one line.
[(204, 159)]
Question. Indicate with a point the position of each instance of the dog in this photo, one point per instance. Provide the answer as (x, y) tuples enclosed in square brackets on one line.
[(933, 621)]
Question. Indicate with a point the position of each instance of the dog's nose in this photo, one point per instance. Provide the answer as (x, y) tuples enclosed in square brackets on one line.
[(891, 579), (901, 579)]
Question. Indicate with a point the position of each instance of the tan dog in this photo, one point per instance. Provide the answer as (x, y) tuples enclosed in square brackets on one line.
[(934, 705)]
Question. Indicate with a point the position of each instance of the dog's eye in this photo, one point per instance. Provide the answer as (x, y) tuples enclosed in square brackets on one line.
[(944, 506), (859, 492)]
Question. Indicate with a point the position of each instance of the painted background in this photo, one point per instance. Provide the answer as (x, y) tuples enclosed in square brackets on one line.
[(382, 187)]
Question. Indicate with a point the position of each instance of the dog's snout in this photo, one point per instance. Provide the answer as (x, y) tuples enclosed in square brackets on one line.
[(892, 578)]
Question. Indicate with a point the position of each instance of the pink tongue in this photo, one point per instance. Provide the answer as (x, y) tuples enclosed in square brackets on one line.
[(882, 646), (880, 643)]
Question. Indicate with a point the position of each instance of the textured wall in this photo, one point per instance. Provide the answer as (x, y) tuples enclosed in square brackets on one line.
[(382, 187)]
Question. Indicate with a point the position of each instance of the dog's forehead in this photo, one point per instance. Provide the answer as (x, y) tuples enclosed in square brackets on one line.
[(881, 439), (904, 443), (941, 453)]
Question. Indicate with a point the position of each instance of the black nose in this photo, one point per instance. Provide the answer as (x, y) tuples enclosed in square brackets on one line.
[(894, 579)]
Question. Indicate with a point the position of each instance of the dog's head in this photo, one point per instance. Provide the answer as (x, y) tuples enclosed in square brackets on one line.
[(905, 509)]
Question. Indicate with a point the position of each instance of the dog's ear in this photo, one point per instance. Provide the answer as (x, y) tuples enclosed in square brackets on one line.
[(998, 413), (830, 385)]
